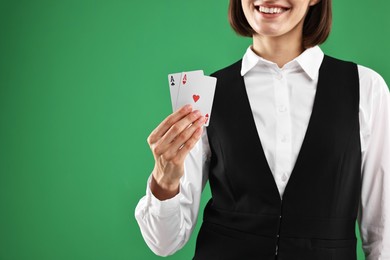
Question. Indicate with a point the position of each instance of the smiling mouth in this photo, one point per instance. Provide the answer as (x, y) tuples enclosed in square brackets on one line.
[(271, 9)]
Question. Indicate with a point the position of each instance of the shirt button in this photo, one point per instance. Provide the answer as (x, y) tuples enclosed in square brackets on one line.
[(285, 139), (282, 109), (279, 76), (284, 177)]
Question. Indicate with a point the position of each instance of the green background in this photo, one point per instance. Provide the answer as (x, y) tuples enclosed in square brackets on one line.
[(82, 84)]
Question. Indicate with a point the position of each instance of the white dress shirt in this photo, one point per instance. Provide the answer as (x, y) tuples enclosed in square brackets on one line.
[(281, 100)]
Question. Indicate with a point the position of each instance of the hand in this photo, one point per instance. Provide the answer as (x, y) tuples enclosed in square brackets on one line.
[(170, 143)]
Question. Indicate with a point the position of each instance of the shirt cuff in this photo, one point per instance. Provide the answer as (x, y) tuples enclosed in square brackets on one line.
[(162, 208)]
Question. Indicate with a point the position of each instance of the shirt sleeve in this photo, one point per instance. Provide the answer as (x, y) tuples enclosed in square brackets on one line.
[(167, 225), (374, 213)]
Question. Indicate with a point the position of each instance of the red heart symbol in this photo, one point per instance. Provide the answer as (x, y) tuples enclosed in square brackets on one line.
[(196, 97)]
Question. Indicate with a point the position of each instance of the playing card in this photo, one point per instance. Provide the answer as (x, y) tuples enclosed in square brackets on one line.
[(197, 90), (174, 84), (204, 97)]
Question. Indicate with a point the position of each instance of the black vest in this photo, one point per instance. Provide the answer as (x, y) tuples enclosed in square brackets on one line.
[(246, 218)]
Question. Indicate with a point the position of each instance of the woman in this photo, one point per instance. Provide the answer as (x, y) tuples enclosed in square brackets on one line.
[(296, 151)]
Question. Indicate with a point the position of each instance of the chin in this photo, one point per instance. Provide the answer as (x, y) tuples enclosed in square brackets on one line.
[(268, 33)]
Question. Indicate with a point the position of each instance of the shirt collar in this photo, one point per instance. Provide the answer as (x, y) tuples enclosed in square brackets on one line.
[(310, 61)]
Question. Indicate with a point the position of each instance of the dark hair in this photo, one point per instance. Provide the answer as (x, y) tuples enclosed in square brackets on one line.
[(316, 27)]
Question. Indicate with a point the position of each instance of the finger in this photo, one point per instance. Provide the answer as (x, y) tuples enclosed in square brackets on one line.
[(187, 133), (172, 150), (183, 152), (177, 129), (167, 123)]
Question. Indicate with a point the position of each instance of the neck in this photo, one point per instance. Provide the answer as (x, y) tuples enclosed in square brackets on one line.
[(276, 49)]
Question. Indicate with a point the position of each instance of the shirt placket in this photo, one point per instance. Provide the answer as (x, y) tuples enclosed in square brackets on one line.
[(283, 151)]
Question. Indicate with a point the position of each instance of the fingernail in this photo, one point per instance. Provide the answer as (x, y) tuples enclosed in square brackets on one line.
[(187, 107)]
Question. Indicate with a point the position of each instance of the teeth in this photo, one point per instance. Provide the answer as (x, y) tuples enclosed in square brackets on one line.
[(273, 10)]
